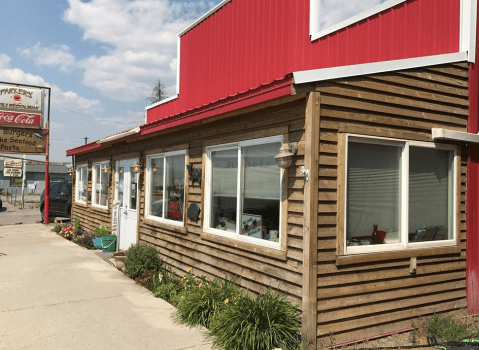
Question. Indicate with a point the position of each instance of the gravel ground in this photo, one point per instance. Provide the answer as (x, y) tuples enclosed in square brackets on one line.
[(14, 215)]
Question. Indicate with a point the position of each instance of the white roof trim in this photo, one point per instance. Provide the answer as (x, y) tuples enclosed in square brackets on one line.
[(120, 135), (467, 36), (314, 17), (310, 76), (161, 102), (206, 15), (445, 134)]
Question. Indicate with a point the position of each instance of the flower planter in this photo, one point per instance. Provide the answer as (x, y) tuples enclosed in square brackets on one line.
[(97, 242), (120, 260)]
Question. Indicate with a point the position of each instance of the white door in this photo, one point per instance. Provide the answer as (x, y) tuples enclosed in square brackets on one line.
[(126, 192)]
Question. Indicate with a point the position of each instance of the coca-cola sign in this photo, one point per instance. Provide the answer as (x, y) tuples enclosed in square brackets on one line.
[(20, 119)]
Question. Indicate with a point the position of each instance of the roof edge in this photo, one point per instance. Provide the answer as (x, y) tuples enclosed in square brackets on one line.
[(309, 76)]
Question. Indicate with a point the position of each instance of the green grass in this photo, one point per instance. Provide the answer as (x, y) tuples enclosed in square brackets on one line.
[(448, 329)]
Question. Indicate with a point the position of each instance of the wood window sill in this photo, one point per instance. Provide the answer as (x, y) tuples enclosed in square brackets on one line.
[(343, 260), (100, 209), (166, 226), (253, 248)]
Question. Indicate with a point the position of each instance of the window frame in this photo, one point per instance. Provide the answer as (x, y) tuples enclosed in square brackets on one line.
[(404, 245), (208, 188), (93, 196), (153, 218), (77, 176)]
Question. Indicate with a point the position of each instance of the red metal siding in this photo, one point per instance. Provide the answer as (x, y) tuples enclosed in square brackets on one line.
[(249, 43)]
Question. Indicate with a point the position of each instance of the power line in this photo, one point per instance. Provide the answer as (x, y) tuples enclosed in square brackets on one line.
[(96, 119)]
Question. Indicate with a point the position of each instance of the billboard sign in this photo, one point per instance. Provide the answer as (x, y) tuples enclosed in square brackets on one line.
[(21, 119), (12, 172), (22, 140), (21, 106), (12, 163)]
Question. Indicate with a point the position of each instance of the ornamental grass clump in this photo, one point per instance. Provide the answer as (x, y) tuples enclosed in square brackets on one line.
[(447, 329), (205, 301), (263, 323), (141, 257)]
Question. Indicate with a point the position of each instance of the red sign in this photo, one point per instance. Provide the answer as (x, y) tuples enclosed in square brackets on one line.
[(20, 119)]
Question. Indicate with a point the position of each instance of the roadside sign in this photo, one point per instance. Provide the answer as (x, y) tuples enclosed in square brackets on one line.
[(12, 163), (21, 106), (12, 172), (24, 141)]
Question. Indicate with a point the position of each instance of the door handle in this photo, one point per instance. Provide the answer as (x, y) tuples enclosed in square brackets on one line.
[(125, 212)]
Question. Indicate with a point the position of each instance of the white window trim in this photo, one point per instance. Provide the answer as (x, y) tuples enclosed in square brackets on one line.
[(208, 185), (78, 172), (148, 187), (93, 195), (404, 245)]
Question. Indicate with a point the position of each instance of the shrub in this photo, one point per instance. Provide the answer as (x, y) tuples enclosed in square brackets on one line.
[(57, 228), (68, 232), (102, 230), (169, 292), (262, 323), (205, 301), (447, 329), (141, 257), (77, 224)]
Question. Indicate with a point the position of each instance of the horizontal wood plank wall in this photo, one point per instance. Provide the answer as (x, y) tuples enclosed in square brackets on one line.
[(357, 301), (182, 250), (89, 216)]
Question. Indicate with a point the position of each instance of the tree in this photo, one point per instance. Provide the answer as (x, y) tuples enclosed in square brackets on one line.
[(158, 92)]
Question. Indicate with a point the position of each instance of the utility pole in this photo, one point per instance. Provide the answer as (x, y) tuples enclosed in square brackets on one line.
[(86, 140)]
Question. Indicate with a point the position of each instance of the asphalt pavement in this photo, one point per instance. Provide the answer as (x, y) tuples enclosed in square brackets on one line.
[(14, 215), (55, 294)]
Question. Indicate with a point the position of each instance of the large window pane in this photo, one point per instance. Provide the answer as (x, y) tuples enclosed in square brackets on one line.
[(224, 171), (121, 183), (81, 182), (261, 192), (97, 184), (373, 193), (175, 187), (430, 194), (156, 187), (104, 188), (133, 191)]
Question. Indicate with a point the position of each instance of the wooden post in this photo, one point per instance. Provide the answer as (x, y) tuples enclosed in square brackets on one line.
[(310, 226)]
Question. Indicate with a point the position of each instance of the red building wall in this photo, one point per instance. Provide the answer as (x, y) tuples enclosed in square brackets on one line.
[(249, 43)]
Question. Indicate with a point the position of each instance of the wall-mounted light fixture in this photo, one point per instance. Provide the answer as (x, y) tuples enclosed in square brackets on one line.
[(154, 169), (121, 170), (137, 166), (70, 171), (284, 158)]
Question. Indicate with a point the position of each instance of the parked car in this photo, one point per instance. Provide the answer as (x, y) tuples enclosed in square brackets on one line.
[(60, 199), (1, 190)]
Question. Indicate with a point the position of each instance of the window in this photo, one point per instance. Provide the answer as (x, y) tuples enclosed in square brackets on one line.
[(327, 16), (80, 184), (399, 194), (100, 185), (243, 191), (166, 187)]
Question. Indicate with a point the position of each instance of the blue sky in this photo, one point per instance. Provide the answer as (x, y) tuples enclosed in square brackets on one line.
[(103, 57)]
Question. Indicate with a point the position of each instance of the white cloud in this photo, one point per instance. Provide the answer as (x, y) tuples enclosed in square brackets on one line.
[(140, 38), (124, 122), (335, 11), (4, 61), (68, 99), (55, 56)]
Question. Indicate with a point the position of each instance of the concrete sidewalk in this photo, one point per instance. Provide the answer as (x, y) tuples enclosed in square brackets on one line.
[(55, 294)]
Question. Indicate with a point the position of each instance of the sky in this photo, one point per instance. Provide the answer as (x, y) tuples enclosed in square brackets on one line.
[(102, 58)]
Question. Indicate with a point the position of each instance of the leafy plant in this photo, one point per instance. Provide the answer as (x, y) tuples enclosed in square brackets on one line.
[(141, 257), (169, 292), (57, 228), (262, 323), (205, 301), (447, 329), (102, 230), (77, 224), (68, 232)]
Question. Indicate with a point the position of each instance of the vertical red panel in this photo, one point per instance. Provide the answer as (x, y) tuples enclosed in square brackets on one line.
[(472, 217), (247, 43)]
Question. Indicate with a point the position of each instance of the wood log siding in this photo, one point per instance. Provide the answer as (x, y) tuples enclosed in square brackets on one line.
[(367, 299), (181, 250)]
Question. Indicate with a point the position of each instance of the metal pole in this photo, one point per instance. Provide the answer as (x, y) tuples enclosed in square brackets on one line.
[(24, 178), (46, 208)]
